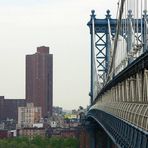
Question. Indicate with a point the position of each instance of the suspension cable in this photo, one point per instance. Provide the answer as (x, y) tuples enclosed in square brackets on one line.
[(117, 35), (141, 23)]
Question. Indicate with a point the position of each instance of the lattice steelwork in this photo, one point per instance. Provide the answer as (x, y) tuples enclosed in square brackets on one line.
[(101, 41), (100, 49)]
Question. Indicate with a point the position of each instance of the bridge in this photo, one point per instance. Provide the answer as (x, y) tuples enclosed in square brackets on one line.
[(119, 77)]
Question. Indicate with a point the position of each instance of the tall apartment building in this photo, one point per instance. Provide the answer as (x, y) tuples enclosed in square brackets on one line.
[(39, 79), (28, 115)]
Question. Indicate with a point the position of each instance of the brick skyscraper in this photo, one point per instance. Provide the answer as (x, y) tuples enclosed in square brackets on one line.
[(39, 79)]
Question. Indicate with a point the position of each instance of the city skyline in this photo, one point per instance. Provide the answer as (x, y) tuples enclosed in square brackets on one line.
[(59, 25)]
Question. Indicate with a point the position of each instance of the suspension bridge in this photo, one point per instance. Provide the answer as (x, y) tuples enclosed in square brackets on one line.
[(119, 77)]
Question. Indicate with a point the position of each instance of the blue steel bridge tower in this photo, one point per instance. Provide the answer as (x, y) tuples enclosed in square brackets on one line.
[(100, 48), (103, 32)]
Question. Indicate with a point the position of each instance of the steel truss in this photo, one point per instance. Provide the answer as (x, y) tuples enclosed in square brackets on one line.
[(122, 133), (101, 43)]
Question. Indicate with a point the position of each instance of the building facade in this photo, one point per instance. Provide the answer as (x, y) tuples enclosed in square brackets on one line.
[(9, 108), (31, 132), (29, 115), (39, 79), (4, 134)]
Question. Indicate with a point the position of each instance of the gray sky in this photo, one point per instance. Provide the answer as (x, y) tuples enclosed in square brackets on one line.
[(59, 24)]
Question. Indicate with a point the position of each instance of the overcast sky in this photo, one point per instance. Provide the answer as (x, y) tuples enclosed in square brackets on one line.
[(59, 24)]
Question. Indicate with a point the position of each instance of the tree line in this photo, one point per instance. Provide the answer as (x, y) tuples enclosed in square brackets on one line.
[(39, 142)]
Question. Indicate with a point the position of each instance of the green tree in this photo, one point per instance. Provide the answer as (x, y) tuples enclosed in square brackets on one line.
[(56, 142), (34, 146), (70, 143), (3, 144), (12, 144), (23, 144), (39, 141)]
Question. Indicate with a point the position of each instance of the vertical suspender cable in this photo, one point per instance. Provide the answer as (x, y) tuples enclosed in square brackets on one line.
[(124, 30), (145, 23), (134, 21), (117, 35), (141, 24), (145, 4), (137, 22), (122, 40), (127, 25), (125, 47), (117, 9), (126, 10)]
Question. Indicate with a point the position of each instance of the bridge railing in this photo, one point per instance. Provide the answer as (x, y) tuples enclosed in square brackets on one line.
[(128, 100)]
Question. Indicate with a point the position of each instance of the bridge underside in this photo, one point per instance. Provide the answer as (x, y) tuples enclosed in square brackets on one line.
[(121, 133), (121, 107), (97, 137)]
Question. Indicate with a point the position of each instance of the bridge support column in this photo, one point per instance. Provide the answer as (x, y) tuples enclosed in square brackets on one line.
[(97, 137), (109, 143), (102, 139), (92, 138)]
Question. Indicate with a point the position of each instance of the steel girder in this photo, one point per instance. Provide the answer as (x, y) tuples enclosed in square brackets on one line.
[(122, 133)]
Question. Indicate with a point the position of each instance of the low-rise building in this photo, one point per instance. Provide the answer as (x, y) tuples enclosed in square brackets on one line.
[(66, 132), (29, 115), (31, 132), (2, 126), (13, 133), (71, 132), (53, 124), (4, 134), (9, 108)]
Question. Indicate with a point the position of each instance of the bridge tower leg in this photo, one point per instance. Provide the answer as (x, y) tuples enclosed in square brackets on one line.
[(100, 50), (92, 136), (109, 143), (102, 139)]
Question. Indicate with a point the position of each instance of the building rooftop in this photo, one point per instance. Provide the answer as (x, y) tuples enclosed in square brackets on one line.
[(42, 49)]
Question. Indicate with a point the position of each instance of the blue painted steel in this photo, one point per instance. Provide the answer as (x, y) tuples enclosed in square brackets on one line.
[(122, 133), (101, 44), (92, 58), (108, 45)]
